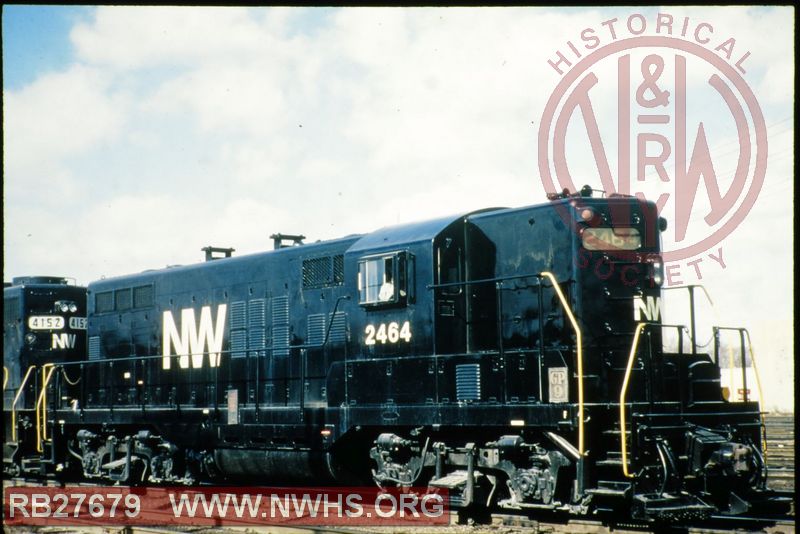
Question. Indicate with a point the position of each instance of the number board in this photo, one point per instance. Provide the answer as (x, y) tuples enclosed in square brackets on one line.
[(559, 386), (233, 406), (45, 322)]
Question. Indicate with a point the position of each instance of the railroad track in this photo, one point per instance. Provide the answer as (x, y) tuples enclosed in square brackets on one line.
[(714, 525), (780, 453)]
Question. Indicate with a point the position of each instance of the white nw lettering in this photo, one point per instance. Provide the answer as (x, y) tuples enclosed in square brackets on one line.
[(651, 308), (193, 339), (63, 341)]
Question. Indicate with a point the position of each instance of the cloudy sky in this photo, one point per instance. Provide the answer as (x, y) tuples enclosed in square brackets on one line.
[(135, 136)]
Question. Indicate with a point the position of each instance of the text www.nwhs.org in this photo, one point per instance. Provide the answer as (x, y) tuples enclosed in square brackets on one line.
[(306, 505), (216, 506)]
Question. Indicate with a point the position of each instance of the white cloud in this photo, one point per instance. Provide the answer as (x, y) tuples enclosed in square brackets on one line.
[(136, 37), (226, 99), (61, 114)]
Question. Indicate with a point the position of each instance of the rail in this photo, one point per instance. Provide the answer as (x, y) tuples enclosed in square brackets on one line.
[(41, 407)]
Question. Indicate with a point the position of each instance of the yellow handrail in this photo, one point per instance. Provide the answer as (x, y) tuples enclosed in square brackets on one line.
[(5, 377), (760, 393), (14, 404), (622, 431), (730, 368), (579, 349), (41, 406)]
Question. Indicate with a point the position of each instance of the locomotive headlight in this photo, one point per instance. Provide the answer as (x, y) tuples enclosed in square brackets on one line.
[(64, 307), (657, 270), (73, 307), (587, 214)]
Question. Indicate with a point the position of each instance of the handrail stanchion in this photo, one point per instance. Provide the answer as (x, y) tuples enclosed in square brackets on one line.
[(623, 392), (541, 339), (692, 325), (760, 391), (41, 406), (732, 392), (16, 399), (579, 349), (742, 333), (743, 354)]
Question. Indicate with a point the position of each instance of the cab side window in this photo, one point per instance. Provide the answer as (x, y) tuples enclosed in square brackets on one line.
[(383, 279)]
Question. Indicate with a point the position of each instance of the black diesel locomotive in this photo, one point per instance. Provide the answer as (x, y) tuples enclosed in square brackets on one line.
[(44, 321), (512, 356)]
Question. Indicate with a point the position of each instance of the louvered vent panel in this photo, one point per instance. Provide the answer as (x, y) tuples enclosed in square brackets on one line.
[(468, 382), (280, 311), (94, 347), (238, 317), (11, 310), (257, 339), (280, 326), (316, 329), (238, 343), (256, 312), (280, 340), (338, 328)]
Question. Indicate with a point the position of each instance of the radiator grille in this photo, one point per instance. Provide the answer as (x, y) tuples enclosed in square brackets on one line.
[(124, 299), (142, 296), (316, 272), (323, 272), (104, 302), (338, 269)]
